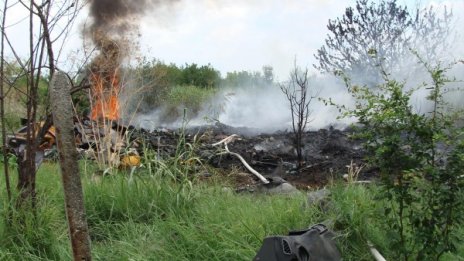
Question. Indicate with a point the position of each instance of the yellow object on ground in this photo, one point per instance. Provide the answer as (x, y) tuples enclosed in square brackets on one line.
[(130, 161)]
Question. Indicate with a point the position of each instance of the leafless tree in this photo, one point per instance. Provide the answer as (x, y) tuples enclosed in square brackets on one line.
[(299, 95), (49, 23), (2, 104)]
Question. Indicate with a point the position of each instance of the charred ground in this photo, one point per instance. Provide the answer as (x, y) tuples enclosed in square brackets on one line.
[(327, 152)]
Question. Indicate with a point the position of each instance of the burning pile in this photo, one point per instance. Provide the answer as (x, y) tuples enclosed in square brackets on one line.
[(113, 32), (105, 67), (113, 29), (112, 25), (105, 108)]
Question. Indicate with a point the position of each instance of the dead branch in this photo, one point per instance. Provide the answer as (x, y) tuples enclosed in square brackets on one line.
[(227, 140), (230, 139), (362, 182)]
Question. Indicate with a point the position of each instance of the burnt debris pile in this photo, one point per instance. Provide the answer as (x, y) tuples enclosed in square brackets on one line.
[(328, 152)]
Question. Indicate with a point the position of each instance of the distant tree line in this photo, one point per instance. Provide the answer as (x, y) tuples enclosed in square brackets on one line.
[(249, 79), (158, 80), (156, 72)]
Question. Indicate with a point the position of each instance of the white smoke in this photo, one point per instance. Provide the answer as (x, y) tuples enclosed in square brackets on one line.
[(264, 108), (261, 107), (267, 109)]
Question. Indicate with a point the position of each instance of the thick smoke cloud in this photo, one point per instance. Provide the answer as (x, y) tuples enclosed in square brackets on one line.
[(121, 15), (115, 23)]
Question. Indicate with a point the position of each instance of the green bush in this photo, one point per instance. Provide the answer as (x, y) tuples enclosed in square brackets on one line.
[(420, 157), (191, 97)]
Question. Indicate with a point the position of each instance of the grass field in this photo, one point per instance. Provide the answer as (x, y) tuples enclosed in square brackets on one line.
[(155, 216)]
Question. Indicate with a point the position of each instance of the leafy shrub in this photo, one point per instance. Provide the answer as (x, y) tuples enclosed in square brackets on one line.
[(421, 160)]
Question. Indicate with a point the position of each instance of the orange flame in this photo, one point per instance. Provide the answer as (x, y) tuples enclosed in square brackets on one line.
[(105, 91)]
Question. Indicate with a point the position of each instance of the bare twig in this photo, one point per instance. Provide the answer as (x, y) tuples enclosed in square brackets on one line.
[(227, 140)]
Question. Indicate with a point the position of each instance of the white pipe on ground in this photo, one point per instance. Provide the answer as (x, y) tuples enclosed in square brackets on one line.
[(375, 252)]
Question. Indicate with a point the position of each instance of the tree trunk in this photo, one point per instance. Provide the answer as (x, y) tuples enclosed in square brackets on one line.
[(26, 180), (74, 201)]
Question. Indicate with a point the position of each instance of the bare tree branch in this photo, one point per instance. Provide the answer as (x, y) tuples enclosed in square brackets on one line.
[(49, 24), (2, 105), (298, 93)]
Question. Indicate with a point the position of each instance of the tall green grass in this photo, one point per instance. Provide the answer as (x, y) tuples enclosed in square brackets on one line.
[(34, 235), (357, 219), (147, 218), (155, 215)]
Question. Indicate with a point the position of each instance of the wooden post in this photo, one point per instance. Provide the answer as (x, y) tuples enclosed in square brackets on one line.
[(62, 111)]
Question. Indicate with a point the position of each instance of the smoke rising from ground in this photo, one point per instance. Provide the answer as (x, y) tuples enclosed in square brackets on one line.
[(266, 108), (262, 108)]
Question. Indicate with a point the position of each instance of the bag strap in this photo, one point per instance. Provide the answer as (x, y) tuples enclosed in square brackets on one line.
[(321, 228)]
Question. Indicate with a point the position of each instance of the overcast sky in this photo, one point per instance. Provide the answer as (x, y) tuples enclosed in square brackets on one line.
[(246, 34), (235, 35)]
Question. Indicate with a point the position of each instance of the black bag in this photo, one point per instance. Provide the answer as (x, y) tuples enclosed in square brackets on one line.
[(313, 244)]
